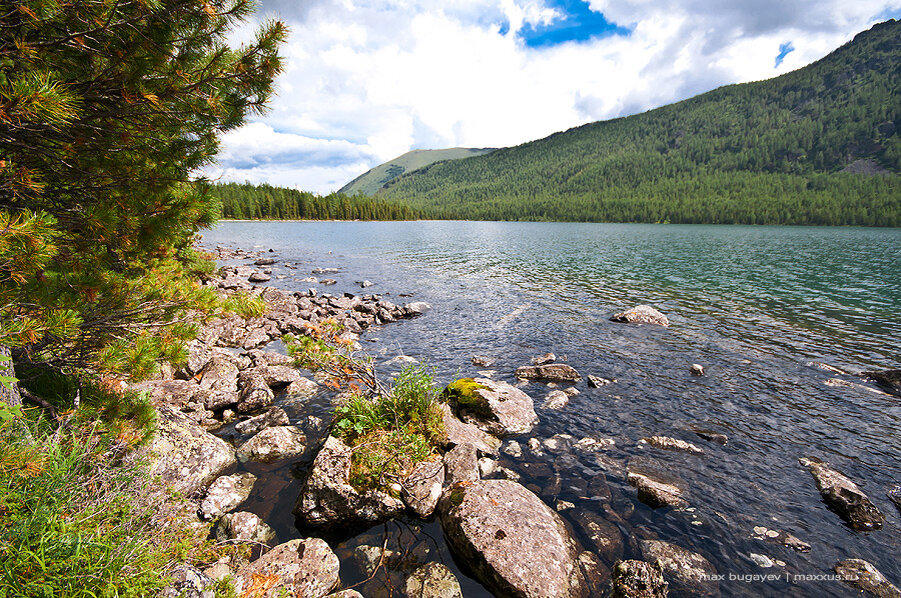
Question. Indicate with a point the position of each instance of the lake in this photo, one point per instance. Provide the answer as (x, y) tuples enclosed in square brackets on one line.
[(768, 312)]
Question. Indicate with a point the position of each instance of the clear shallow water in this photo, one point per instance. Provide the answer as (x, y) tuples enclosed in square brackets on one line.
[(759, 307)]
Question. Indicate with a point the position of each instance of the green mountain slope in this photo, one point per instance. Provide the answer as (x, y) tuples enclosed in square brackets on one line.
[(819, 145), (372, 180)]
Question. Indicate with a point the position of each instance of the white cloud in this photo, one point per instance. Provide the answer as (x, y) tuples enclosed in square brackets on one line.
[(369, 80)]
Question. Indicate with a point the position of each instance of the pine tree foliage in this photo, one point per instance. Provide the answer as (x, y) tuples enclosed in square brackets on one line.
[(107, 107), (265, 202), (820, 145)]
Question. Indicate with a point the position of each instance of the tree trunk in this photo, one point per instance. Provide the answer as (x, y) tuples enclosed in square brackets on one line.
[(8, 395)]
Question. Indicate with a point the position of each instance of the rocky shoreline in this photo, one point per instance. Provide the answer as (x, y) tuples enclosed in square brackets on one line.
[(490, 495)]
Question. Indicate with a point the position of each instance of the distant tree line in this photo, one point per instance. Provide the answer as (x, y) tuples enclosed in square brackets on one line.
[(265, 202), (820, 145)]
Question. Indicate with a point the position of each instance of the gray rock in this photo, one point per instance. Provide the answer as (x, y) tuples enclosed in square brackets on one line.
[(276, 416), (553, 372), (843, 496), (482, 361), (894, 495), (686, 571), (495, 407), (219, 374), (461, 464), (417, 308), (487, 467), (604, 536), (255, 338), (259, 277), (512, 448), (184, 456), (303, 567), (544, 359), (513, 542), (556, 399), (432, 580), (273, 444), (264, 261), (346, 594), (199, 355), (597, 381), (328, 499), (638, 579), (244, 526), (188, 582), (303, 388), (672, 444), (656, 493), (255, 393), (279, 376), (864, 576), (226, 493), (422, 487), (641, 314), (696, 369), (461, 433)]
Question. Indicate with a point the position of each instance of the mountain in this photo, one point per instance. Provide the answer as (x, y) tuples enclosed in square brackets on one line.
[(372, 180), (819, 145)]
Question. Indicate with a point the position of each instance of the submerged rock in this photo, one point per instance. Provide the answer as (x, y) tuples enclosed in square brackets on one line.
[(711, 435), (514, 543), (276, 416), (672, 444), (303, 567), (641, 314), (495, 407), (328, 499), (656, 493), (638, 579), (889, 380), (553, 372), (482, 361), (843, 496), (864, 576), (433, 580), (597, 381), (604, 536), (225, 494), (685, 570)]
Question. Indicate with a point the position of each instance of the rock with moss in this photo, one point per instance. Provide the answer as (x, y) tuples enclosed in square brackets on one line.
[(184, 456), (844, 497), (867, 578), (303, 567), (495, 407), (514, 543), (328, 499)]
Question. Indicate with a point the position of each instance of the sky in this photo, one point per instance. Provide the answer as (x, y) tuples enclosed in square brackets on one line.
[(368, 80)]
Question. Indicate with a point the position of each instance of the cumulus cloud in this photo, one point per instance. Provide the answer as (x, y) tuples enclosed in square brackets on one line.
[(367, 80)]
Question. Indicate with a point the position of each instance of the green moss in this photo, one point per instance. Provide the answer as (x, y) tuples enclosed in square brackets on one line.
[(462, 392), (456, 496)]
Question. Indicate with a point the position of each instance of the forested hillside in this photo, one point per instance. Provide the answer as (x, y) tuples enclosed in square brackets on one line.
[(819, 145), (265, 202), (374, 179)]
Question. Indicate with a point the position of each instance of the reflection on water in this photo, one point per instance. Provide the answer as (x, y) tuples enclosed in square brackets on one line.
[(759, 307)]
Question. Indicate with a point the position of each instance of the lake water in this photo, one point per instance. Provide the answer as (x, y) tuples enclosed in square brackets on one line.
[(763, 309)]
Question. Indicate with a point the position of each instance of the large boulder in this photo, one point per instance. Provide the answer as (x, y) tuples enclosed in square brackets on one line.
[(641, 314), (303, 567), (220, 374), (328, 499), (255, 392), (184, 456), (551, 372), (638, 579), (225, 494), (843, 496), (495, 407), (686, 571), (273, 444), (433, 580), (458, 432), (513, 542), (865, 577)]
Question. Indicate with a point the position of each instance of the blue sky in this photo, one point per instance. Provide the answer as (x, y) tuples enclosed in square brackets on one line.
[(368, 80)]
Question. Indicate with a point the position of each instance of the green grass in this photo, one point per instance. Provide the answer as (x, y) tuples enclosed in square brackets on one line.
[(75, 521), (391, 433), (245, 305)]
